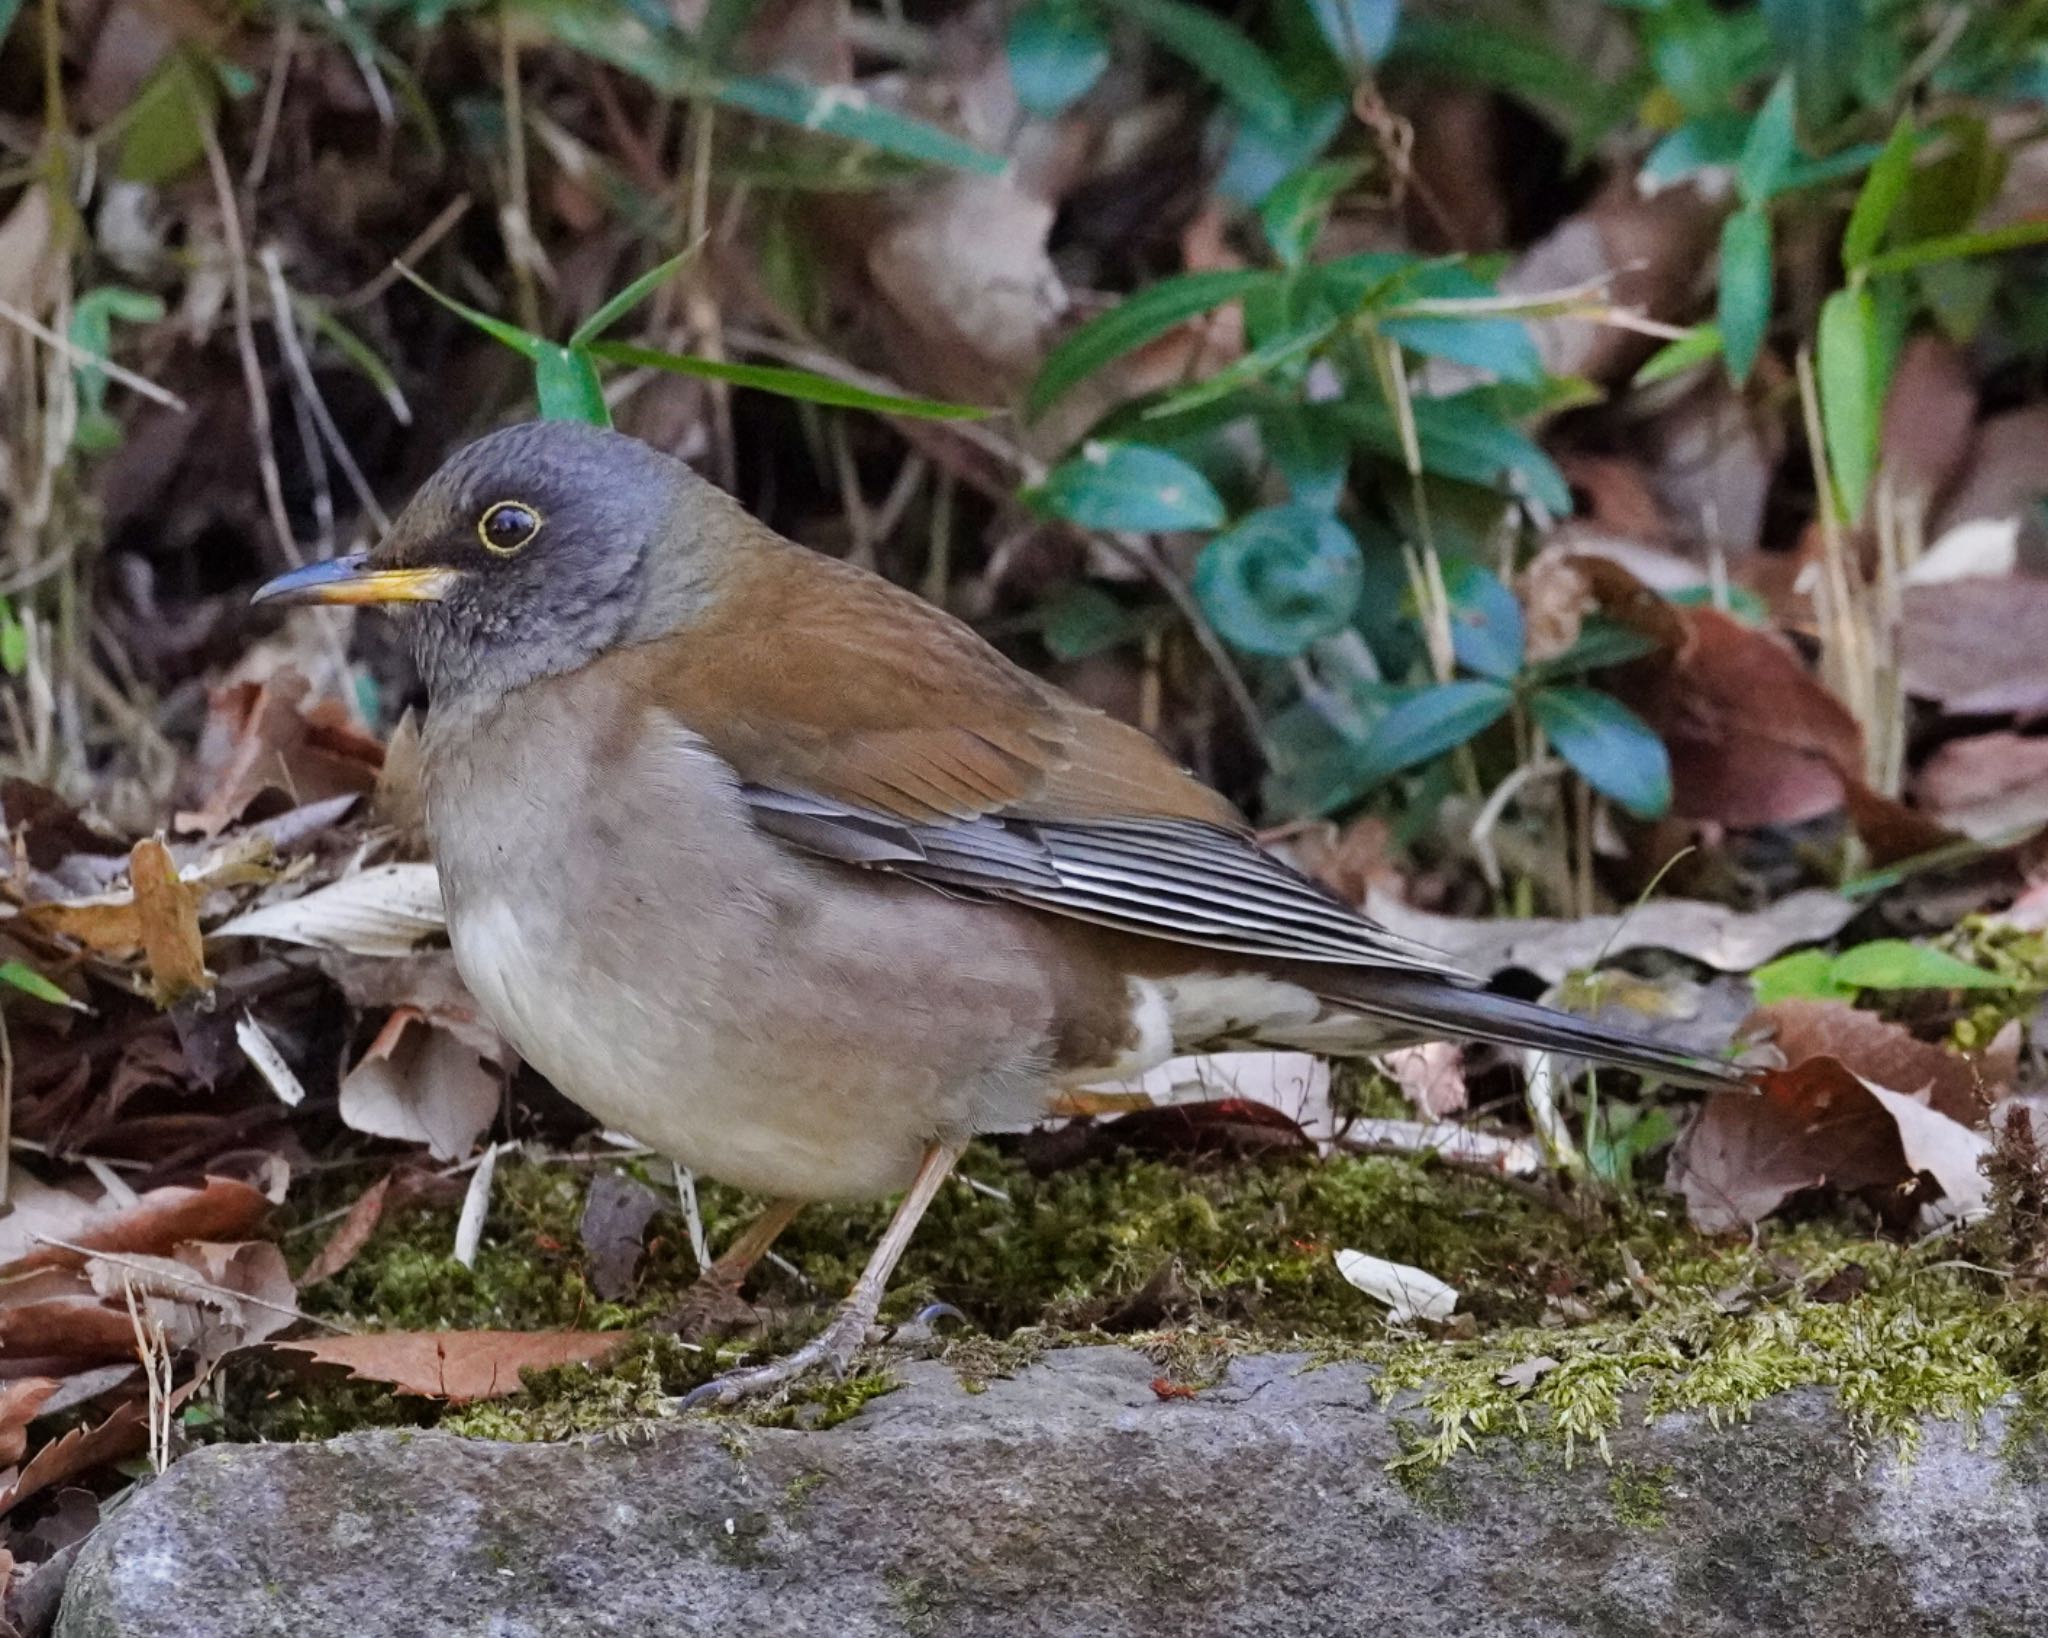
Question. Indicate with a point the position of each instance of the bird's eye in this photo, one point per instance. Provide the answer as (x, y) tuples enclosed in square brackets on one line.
[(507, 526)]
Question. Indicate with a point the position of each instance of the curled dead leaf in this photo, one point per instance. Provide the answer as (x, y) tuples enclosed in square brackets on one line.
[(420, 1083), (221, 1209)]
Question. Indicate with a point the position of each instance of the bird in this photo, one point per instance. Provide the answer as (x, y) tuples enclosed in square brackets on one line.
[(789, 874)]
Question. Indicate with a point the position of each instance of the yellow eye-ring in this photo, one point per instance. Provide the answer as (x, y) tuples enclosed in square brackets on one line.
[(507, 526)]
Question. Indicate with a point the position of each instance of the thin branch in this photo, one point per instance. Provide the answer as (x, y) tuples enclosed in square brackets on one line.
[(84, 356)]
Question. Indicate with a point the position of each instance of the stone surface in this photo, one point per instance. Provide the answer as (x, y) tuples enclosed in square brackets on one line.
[(1074, 1500)]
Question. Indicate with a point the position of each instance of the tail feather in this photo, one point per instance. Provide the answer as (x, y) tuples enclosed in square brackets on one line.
[(1434, 1008)]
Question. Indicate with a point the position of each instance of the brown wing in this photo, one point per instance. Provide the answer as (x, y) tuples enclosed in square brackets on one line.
[(813, 676)]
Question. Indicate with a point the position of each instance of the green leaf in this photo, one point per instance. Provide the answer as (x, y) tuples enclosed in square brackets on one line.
[(1896, 964), (1601, 642), (612, 33), (1804, 975), (1082, 619), (1425, 725), (1311, 451), (1220, 51), (1817, 40), (1129, 486), (13, 642), (1853, 369), (1696, 346), (1262, 156), (1612, 748), (163, 133), (1708, 142), (1879, 197), (1745, 306), (1131, 324), (1703, 55), (1360, 32), (21, 976), (1294, 212), (1770, 147), (565, 381), (1466, 438), (1502, 347), (628, 299), (1057, 52), (806, 385), (1486, 621), (1280, 580), (523, 342), (1955, 246), (92, 331)]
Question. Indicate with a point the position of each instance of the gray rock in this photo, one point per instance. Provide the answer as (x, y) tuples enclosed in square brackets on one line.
[(1073, 1500)]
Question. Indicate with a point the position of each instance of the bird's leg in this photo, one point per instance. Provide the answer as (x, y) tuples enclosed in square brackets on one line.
[(714, 1297), (835, 1346)]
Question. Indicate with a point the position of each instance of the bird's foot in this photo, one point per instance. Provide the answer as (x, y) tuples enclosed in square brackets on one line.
[(832, 1349)]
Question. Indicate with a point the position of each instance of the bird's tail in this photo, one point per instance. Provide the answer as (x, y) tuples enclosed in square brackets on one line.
[(1433, 1007)]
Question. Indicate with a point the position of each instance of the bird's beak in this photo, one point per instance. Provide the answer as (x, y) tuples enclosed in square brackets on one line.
[(352, 580)]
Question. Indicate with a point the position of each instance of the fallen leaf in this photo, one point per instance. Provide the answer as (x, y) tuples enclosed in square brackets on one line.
[(1731, 941), (76, 1328), (2003, 478), (418, 1083), (19, 1402), (1409, 1293), (352, 1235), (1988, 786), (613, 1229), (456, 1365), (268, 1062), (1930, 419), (386, 911), (1526, 1375), (1977, 647), (167, 919), (1891, 1055), (222, 1209), (262, 735), (208, 1298), (1297, 1084), (1945, 1149), (76, 1452)]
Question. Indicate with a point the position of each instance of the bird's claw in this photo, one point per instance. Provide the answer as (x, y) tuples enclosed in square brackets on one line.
[(832, 1349)]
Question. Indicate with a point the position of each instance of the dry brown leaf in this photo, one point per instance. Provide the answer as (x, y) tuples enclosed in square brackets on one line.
[(613, 1229), (1748, 1153), (263, 735), (222, 1209), (456, 1365), (351, 1236), (2004, 478), (420, 1083), (426, 982), (76, 1452), (1864, 1105), (19, 1403), (1930, 417), (167, 922), (75, 1328), (1891, 1055)]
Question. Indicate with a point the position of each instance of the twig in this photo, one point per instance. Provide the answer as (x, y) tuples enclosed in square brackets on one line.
[(245, 341), (163, 1276), (394, 270), (284, 321), (86, 357)]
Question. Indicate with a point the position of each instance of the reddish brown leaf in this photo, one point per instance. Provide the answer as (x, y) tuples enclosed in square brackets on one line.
[(351, 1236), (19, 1402), (456, 1365), (78, 1451), (80, 1328), (220, 1210), (260, 736), (1875, 1048)]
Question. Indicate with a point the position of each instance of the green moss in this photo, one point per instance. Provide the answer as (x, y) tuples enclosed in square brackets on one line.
[(1196, 1261), (1637, 1493)]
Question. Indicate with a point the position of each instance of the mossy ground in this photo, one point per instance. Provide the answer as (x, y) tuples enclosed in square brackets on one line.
[(1571, 1318)]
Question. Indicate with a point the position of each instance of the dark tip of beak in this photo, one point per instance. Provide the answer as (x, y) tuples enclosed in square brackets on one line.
[(352, 580)]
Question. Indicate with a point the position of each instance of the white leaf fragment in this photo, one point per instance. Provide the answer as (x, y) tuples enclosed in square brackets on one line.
[(262, 1052), (386, 911), (1409, 1293)]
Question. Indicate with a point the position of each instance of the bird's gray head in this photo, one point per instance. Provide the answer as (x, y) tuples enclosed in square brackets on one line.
[(529, 553)]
